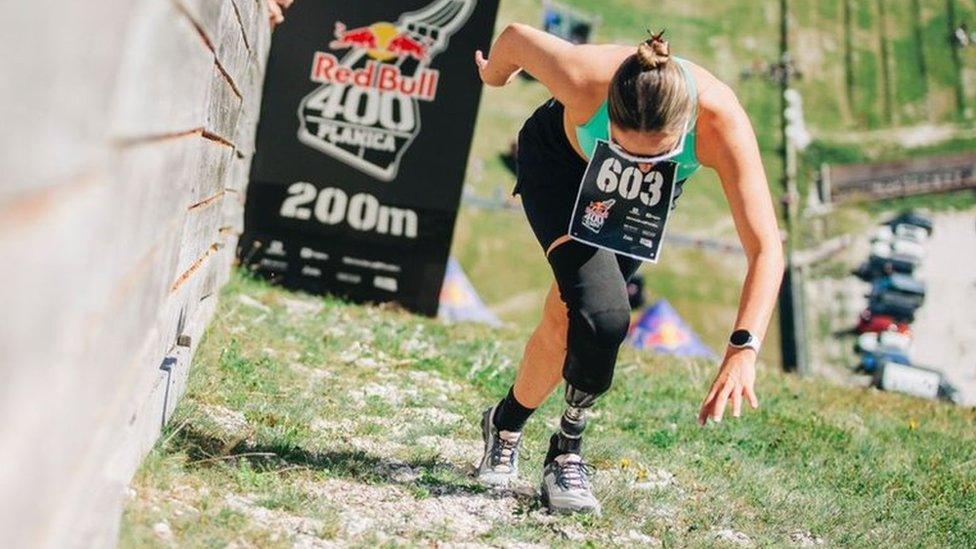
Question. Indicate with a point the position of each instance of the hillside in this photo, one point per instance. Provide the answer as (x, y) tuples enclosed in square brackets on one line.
[(847, 118), (309, 422), (314, 423)]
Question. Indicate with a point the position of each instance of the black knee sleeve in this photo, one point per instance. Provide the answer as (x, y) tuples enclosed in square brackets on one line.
[(605, 328), (592, 286)]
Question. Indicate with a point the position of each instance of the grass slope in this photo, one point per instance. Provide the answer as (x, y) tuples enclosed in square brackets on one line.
[(315, 423)]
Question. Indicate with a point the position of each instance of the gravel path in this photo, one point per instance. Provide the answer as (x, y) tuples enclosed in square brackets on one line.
[(945, 326)]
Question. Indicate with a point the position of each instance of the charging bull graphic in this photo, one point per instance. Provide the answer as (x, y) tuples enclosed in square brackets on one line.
[(597, 213), (366, 111)]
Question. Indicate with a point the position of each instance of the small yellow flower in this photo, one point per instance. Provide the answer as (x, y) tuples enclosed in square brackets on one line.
[(912, 424), (641, 474), (625, 463)]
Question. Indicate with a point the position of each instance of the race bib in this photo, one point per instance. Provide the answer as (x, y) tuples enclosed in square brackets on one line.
[(621, 209)]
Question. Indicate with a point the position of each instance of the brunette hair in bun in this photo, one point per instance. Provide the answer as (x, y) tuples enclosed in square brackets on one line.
[(655, 52), (648, 92)]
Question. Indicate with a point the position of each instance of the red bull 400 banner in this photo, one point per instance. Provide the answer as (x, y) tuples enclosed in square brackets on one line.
[(366, 125)]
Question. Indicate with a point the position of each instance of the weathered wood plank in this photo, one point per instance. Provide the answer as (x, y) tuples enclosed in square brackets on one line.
[(209, 171), (168, 67), (41, 340), (227, 257), (209, 16), (231, 49), (250, 14), (237, 173), (261, 43), (199, 234), (232, 212), (91, 310), (247, 127), (156, 181), (81, 417), (223, 108), (218, 22), (146, 408), (54, 93)]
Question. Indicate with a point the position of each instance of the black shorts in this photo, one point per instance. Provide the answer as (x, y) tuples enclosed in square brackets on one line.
[(549, 173)]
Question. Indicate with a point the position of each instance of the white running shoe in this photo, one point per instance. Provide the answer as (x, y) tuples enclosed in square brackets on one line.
[(566, 487), (499, 464)]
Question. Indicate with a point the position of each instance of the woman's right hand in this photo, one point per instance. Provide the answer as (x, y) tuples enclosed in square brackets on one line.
[(490, 73)]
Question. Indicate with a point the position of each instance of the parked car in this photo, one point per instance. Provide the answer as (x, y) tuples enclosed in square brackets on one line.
[(877, 266), (911, 218), (883, 234), (895, 298), (870, 341), (872, 360), (899, 284), (907, 248), (881, 248), (901, 313), (914, 380), (897, 295), (870, 322), (911, 232)]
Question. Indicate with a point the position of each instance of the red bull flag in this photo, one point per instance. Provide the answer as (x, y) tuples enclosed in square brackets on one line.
[(459, 300), (660, 329)]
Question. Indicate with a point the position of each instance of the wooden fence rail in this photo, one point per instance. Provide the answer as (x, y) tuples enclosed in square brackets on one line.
[(128, 131)]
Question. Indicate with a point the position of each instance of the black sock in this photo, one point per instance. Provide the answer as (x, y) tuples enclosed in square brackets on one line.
[(559, 445), (510, 415)]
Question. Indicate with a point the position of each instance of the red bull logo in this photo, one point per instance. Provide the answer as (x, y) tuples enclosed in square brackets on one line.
[(404, 45), (596, 214), (326, 68), (382, 41), (365, 111), (362, 37)]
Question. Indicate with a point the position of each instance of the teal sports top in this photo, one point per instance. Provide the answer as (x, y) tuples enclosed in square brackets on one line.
[(597, 128)]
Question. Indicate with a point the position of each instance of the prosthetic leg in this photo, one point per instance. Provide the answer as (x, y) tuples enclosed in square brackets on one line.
[(572, 423), (565, 486)]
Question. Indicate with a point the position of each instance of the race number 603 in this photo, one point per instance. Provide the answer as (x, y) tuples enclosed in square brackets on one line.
[(629, 182)]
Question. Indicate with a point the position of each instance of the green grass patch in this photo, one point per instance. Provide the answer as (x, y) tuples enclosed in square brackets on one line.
[(295, 425), (356, 425)]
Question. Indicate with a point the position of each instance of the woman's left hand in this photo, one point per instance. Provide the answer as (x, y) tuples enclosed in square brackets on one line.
[(735, 380)]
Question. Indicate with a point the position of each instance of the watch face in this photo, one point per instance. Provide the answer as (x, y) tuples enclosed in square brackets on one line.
[(740, 337)]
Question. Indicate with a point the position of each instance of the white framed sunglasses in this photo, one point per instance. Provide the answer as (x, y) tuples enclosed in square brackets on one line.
[(678, 149)]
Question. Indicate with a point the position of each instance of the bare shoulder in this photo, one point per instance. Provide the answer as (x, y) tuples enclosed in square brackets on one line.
[(717, 101), (718, 106), (723, 126)]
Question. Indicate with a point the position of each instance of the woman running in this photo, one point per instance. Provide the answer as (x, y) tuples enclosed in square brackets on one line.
[(664, 116)]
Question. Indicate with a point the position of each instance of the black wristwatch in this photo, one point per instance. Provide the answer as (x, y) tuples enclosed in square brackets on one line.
[(742, 339)]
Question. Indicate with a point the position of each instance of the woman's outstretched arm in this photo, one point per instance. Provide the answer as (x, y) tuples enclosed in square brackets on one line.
[(728, 144), (571, 72)]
